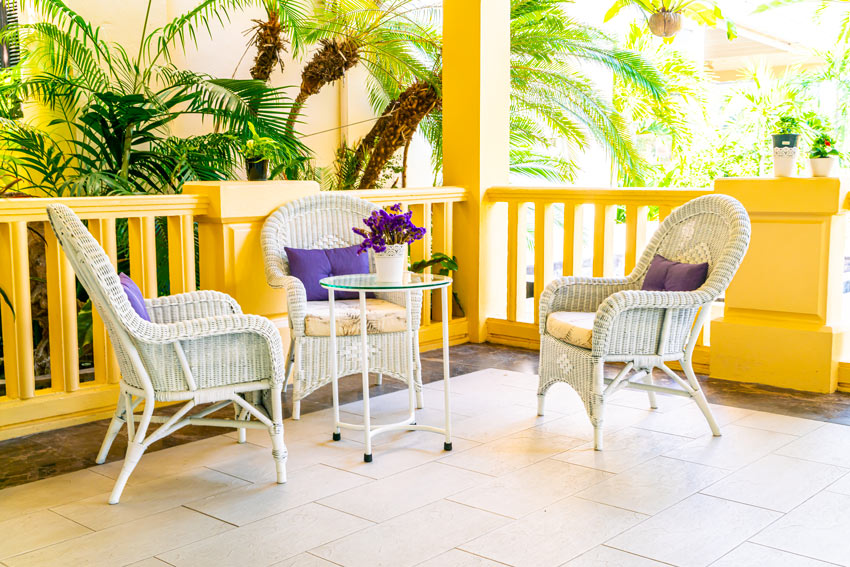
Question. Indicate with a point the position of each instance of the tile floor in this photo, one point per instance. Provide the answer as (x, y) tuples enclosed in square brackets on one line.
[(518, 490)]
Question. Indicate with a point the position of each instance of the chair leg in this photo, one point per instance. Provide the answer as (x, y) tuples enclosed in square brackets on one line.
[(541, 403), (134, 453), (699, 397), (296, 410), (241, 415), (276, 433), (653, 400), (115, 426), (380, 379), (597, 437)]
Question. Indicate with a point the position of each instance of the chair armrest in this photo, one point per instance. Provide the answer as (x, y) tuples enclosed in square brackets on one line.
[(191, 305), (296, 300), (576, 293), (614, 307)]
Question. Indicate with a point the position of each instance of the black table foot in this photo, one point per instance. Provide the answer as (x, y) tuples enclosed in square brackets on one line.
[(447, 446), (367, 458), (337, 436)]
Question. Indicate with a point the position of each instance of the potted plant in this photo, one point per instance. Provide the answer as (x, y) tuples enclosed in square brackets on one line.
[(785, 140), (664, 17), (388, 232), (257, 151), (823, 155)]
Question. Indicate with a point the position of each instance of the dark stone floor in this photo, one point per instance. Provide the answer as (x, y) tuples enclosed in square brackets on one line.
[(51, 453)]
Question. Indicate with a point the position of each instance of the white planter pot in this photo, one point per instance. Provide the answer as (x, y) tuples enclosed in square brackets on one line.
[(785, 162), (822, 167), (389, 264)]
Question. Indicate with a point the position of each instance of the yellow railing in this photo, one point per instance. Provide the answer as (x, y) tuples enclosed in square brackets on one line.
[(64, 397), (635, 203), (229, 217)]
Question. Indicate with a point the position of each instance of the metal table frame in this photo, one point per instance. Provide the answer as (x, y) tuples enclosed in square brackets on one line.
[(410, 423)]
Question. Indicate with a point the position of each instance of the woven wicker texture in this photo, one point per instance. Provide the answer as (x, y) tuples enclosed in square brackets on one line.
[(325, 221), (630, 323)]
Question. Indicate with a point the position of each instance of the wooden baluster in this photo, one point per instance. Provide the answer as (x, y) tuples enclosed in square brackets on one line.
[(181, 254), (573, 226), (105, 361), (17, 326), (62, 314), (421, 250), (142, 235), (517, 234), (636, 217), (441, 241), (603, 239), (543, 272)]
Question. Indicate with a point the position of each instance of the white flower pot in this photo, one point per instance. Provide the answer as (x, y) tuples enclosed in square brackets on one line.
[(785, 162), (389, 264), (822, 167)]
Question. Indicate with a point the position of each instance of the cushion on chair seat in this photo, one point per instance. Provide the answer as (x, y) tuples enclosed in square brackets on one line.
[(573, 327), (381, 317)]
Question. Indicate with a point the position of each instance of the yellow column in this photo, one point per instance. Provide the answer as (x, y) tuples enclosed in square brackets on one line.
[(476, 113), (781, 324), (231, 258)]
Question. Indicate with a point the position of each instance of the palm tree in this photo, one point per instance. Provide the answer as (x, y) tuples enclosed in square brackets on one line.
[(112, 109)]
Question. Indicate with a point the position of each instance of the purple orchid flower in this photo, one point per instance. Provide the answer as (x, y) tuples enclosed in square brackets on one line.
[(385, 227)]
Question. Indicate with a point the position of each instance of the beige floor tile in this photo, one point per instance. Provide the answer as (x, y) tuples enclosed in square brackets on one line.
[(140, 500), (268, 541), (36, 530), (738, 446), (174, 460), (501, 422), (694, 532), (397, 401), (304, 560), (127, 543), (256, 501), (829, 444), (426, 416), (519, 380), (554, 535), (818, 529), (752, 555), (623, 449), (603, 556), (776, 482), (779, 423), (458, 558), (842, 485), (560, 399), (578, 425), (383, 499), (511, 453), (150, 562), (310, 424), (654, 485), (531, 488), (28, 498), (411, 538), (689, 421), (399, 454), (259, 466), (640, 400)]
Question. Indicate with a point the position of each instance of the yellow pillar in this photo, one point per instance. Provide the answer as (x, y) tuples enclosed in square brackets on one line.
[(231, 258), (781, 324), (476, 113)]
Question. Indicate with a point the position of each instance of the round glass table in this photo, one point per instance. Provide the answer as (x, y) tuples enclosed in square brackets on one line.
[(366, 283)]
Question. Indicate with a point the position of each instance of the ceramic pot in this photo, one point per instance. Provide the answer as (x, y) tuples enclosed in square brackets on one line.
[(785, 162), (785, 140), (665, 24), (389, 264), (822, 167), (257, 169)]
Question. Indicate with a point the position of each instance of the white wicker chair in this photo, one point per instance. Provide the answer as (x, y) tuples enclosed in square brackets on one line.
[(645, 329), (198, 348), (325, 221)]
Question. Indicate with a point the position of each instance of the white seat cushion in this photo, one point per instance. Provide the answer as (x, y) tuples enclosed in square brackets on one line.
[(381, 317), (573, 327)]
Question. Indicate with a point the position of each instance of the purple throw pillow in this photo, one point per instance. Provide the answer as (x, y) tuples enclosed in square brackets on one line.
[(310, 266), (666, 275), (134, 296)]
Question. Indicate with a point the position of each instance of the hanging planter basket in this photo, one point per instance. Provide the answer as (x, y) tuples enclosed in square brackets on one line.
[(665, 24)]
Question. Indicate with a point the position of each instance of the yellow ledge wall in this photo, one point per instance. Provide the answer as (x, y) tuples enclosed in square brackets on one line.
[(782, 322)]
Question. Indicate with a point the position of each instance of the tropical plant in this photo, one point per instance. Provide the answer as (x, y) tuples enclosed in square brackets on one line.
[(823, 146), (787, 125), (112, 110), (284, 23), (447, 264), (703, 12), (258, 147)]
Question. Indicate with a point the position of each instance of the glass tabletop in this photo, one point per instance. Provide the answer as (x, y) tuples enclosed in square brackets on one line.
[(369, 282)]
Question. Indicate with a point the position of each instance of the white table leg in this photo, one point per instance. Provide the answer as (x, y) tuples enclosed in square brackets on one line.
[(447, 445), (411, 379), (334, 371), (364, 341)]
